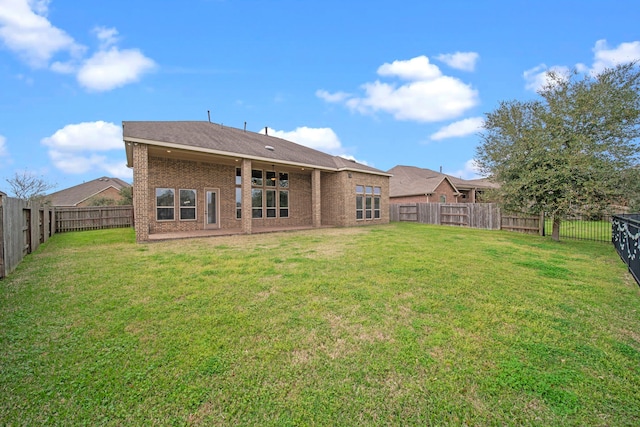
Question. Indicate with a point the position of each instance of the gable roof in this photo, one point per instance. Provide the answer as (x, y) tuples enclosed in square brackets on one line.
[(412, 181), (213, 138), (72, 196)]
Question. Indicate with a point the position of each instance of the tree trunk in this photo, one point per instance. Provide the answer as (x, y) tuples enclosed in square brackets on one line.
[(555, 234)]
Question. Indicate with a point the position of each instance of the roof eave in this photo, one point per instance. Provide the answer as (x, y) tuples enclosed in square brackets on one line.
[(129, 141)]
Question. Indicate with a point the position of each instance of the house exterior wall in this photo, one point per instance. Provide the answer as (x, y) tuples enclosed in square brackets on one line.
[(339, 198), (186, 174), (443, 189), (335, 195)]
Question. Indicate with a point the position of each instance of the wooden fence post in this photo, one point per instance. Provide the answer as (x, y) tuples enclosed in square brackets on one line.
[(541, 224)]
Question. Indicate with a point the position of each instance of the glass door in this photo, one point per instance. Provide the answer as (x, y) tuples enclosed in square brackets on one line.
[(211, 209)]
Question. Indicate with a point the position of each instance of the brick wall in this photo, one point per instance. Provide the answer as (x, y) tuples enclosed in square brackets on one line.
[(339, 198), (141, 192)]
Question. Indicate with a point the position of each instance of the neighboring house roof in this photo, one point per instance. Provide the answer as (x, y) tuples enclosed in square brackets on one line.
[(413, 181), (213, 138), (77, 194)]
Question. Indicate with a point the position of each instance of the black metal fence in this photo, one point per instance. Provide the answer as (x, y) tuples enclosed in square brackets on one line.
[(625, 236), (595, 228)]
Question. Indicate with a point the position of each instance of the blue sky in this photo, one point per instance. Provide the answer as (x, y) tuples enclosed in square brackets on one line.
[(384, 82)]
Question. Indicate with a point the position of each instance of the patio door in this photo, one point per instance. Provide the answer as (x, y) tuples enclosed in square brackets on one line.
[(211, 208)]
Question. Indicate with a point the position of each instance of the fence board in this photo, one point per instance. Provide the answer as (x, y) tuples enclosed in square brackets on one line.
[(476, 215), (25, 225), (93, 218)]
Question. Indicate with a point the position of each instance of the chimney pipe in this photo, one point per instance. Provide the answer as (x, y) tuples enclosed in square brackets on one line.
[(209, 115), (245, 126), (440, 169), (266, 131)]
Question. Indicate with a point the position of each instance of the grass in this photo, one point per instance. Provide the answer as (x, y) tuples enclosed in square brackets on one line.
[(403, 324)]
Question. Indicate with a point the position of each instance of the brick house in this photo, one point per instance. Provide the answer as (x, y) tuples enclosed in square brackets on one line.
[(190, 176), (84, 194), (410, 184)]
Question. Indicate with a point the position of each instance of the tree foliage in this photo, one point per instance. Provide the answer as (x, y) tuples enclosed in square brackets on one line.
[(27, 186), (570, 152), (127, 196)]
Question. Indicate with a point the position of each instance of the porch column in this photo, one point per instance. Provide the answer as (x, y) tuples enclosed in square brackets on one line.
[(141, 192), (316, 195), (246, 196)]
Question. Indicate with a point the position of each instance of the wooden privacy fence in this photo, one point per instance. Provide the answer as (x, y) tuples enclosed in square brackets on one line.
[(93, 218), (25, 225), (475, 215)]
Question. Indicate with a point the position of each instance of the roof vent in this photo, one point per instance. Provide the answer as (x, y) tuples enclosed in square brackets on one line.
[(268, 147)]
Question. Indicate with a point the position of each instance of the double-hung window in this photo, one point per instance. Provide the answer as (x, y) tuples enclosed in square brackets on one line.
[(187, 205), (165, 204), (269, 194), (377, 192)]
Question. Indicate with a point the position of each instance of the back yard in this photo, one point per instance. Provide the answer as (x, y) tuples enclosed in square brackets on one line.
[(395, 324)]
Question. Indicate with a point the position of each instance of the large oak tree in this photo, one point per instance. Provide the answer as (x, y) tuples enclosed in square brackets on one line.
[(574, 150)]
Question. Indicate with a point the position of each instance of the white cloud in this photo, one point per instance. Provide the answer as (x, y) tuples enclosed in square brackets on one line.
[(428, 96), (538, 77), (465, 61), (80, 148), (605, 57), (323, 139), (469, 171), (106, 36), (460, 128), (3, 146), (418, 68), (25, 30), (113, 68), (332, 97)]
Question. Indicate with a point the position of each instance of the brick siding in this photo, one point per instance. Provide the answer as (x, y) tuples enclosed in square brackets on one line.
[(337, 199)]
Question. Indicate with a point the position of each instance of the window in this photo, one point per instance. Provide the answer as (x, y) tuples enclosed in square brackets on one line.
[(187, 205), (443, 199), (256, 178), (271, 203), (359, 202), (165, 204), (256, 203), (368, 202), (271, 179), (284, 204), (284, 180), (376, 207), (238, 203), (268, 201), (238, 193), (377, 191)]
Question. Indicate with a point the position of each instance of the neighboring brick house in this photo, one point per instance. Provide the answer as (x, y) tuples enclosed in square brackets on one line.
[(410, 184), (83, 194), (191, 176)]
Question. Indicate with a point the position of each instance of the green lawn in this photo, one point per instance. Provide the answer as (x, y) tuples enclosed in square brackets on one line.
[(402, 324)]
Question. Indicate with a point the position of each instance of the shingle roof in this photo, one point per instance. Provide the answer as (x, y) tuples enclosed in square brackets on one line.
[(411, 181), (224, 140), (73, 195)]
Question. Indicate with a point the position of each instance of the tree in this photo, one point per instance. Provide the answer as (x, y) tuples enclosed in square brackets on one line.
[(569, 151), (101, 201), (127, 196), (27, 186)]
